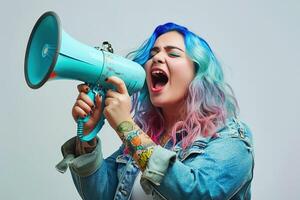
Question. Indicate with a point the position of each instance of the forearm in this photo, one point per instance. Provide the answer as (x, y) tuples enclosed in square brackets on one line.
[(140, 145)]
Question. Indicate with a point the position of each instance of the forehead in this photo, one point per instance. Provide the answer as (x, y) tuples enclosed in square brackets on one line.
[(172, 38)]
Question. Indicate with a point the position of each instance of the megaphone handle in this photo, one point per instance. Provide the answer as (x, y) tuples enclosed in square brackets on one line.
[(81, 121)]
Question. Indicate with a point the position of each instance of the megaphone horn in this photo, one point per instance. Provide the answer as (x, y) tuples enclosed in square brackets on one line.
[(52, 54)]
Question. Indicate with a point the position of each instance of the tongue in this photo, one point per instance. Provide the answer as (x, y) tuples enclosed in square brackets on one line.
[(159, 85)]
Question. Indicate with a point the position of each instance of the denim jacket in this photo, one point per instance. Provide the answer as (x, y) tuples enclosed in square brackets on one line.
[(211, 168)]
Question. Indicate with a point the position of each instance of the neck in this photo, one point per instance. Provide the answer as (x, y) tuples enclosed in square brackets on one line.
[(171, 115)]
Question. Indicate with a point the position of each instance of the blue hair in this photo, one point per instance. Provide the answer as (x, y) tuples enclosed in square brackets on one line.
[(210, 99)]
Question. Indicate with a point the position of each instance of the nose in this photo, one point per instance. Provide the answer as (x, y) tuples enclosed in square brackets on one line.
[(158, 58)]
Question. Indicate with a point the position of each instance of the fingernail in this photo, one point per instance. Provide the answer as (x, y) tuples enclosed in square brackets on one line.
[(84, 115), (93, 106)]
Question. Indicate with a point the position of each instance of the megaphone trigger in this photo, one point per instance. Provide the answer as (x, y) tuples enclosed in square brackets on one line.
[(94, 90)]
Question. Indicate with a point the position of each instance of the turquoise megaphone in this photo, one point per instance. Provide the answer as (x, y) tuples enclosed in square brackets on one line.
[(52, 54)]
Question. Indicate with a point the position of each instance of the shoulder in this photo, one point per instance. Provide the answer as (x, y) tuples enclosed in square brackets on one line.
[(235, 130), (232, 148), (233, 144), (233, 140), (232, 137)]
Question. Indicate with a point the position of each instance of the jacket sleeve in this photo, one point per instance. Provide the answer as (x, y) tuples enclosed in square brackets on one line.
[(93, 176), (218, 172)]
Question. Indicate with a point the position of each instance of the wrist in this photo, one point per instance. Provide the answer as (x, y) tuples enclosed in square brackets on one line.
[(125, 127), (140, 147), (85, 147)]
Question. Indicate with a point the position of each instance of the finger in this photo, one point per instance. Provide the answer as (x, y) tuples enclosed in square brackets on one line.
[(98, 101), (84, 97), (109, 101), (83, 88), (113, 94), (119, 83), (84, 106), (98, 110), (78, 112)]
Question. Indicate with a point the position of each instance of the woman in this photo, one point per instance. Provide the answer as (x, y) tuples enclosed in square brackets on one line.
[(184, 140)]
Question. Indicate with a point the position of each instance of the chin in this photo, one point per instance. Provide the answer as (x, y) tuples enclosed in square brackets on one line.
[(157, 103), (162, 102)]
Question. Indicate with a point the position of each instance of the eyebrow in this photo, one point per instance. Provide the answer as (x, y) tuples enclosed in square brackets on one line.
[(166, 47)]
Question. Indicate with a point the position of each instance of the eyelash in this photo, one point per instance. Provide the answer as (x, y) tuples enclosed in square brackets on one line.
[(171, 54)]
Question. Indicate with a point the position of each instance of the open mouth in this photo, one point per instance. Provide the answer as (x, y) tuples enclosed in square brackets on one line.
[(159, 79)]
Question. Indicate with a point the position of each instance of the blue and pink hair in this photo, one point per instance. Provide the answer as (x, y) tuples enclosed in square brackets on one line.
[(209, 100)]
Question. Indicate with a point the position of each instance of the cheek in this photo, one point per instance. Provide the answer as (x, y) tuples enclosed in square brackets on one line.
[(184, 75), (147, 65), (147, 70)]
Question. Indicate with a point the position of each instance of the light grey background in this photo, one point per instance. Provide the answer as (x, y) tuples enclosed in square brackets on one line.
[(257, 42)]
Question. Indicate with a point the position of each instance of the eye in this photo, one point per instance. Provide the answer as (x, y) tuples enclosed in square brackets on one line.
[(174, 54), (151, 54)]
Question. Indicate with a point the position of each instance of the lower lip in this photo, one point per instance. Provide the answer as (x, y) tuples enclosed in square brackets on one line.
[(157, 90)]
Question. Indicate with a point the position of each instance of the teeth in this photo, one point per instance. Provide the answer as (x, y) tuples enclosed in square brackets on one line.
[(154, 72)]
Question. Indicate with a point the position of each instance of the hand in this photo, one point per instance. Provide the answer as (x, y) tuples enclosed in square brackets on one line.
[(117, 103), (84, 106)]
